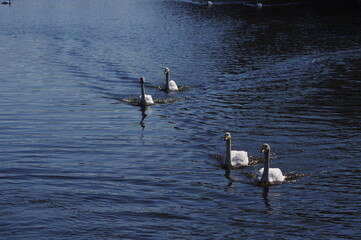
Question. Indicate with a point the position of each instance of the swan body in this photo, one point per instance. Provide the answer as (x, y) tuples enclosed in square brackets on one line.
[(170, 85), (267, 174), (233, 157), (144, 99), (209, 3), (274, 175), (259, 5), (6, 2)]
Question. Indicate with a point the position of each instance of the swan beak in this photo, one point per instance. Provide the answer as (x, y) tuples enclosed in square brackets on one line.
[(265, 147)]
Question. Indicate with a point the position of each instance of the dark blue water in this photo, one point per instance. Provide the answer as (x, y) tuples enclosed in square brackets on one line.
[(79, 161)]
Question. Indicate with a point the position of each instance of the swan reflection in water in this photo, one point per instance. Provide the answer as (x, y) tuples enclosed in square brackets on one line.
[(266, 199), (145, 111), (7, 2), (231, 180)]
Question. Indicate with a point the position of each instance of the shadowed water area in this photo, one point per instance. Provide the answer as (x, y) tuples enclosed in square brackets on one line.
[(80, 160)]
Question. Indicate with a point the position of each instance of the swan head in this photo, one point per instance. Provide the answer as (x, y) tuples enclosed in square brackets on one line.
[(142, 80), (166, 70), (265, 148), (227, 136)]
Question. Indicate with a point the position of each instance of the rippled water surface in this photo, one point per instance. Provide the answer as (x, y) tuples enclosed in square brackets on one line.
[(78, 160)]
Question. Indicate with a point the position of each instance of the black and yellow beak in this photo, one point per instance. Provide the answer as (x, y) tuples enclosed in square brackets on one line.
[(264, 148)]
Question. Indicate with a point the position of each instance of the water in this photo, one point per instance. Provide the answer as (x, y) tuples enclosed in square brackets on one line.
[(79, 161)]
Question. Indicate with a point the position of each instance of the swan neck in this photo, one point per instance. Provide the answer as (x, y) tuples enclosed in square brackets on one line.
[(267, 160), (167, 77), (143, 91), (228, 154)]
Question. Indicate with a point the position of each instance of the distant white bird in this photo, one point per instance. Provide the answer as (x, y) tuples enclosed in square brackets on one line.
[(259, 5), (267, 174), (209, 3), (170, 85), (233, 157), (144, 100), (6, 2)]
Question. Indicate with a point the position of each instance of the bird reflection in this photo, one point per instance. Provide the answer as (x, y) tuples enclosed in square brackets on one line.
[(144, 115), (265, 198), (229, 177)]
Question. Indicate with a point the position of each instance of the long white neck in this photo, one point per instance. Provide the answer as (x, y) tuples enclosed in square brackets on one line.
[(227, 161), (143, 91), (167, 78), (267, 160)]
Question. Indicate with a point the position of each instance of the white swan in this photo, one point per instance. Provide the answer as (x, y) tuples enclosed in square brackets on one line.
[(144, 99), (170, 85), (6, 2), (259, 5), (209, 3), (234, 158), (267, 174)]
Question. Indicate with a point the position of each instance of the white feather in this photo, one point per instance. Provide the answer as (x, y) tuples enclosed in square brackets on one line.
[(267, 174), (172, 86), (148, 100), (274, 175), (233, 157), (239, 158), (143, 98), (169, 85)]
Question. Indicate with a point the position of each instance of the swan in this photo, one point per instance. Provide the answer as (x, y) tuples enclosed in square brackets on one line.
[(209, 3), (267, 174), (170, 85), (144, 99), (6, 2), (234, 158), (259, 5)]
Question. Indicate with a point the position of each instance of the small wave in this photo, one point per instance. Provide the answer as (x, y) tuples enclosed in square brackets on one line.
[(252, 161), (130, 101), (134, 102), (293, 177), (269, 3), (248, 3), (289, 177), (180, 88)]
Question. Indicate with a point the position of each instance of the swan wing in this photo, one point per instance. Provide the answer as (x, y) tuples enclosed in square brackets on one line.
[(149, 99), (239, 158), (259, 174), (275, 175), (172, 86)]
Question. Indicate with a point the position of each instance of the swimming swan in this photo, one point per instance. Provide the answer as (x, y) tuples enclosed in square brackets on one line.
[(144, 100), (267, 174), (259, 5), (209, 3), (234, 158), (170, 85), (6, 2)]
